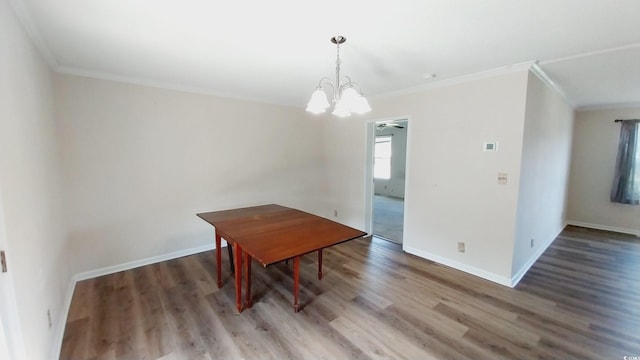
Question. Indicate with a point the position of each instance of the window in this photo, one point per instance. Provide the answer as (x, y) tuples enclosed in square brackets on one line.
[(626, 181), (382, 158)]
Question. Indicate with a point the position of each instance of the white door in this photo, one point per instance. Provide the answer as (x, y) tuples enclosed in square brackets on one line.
[(10, 334)]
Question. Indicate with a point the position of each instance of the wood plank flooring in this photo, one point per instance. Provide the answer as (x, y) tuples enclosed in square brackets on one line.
[(579, 301)]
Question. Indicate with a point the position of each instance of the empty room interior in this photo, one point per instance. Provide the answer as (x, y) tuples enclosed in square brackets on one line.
[(331, 180)]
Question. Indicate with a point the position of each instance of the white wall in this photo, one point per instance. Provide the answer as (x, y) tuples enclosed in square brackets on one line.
[(544, 174), (139, 163), (451, 191), (595, 147), (30, 183), (394, 186)]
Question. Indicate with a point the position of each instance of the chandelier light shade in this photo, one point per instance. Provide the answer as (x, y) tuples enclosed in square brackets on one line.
[(347, 95)]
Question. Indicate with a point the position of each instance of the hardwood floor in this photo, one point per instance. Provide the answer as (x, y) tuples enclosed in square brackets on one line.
[(579, 301)]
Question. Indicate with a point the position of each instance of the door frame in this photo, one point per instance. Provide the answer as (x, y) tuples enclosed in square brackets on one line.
[(11, 331), (370, 129)]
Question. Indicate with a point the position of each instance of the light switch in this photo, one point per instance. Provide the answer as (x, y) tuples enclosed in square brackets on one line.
[(502, 178)]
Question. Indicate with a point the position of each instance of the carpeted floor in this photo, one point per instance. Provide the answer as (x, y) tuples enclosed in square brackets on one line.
[(388, 217)]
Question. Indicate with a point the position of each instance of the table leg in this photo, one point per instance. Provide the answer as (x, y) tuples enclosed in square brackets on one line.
[(238, 275), (230, 251), (219, 259), (296, 281), (247, 268), (320, 264)]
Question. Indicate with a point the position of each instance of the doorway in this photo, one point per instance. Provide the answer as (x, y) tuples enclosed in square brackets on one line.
[(388, 159)]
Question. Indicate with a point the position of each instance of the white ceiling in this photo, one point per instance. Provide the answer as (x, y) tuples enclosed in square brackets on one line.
[(276, 51)]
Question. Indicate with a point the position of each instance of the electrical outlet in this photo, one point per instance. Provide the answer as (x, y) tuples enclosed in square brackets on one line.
[(461, 247), (49, 318), (335, 213), (532, 242)]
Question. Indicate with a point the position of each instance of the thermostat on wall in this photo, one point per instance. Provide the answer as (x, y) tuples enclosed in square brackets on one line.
[(490, 146)]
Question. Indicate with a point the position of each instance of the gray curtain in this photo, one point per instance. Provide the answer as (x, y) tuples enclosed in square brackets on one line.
[(626, 184)]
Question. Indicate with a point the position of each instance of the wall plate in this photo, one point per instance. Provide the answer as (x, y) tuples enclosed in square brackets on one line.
[(490, 146)]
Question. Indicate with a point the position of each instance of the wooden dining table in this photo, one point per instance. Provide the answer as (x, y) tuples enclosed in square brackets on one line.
[(269, 234)]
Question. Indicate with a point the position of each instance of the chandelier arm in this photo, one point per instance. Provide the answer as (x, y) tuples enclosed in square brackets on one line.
[(347, 82), (326, 81)]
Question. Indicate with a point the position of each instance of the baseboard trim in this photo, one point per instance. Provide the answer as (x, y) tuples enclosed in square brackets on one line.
[(532, 260), (505, 281), (138, 263), (604, 227), (66, 306), (61, 322)]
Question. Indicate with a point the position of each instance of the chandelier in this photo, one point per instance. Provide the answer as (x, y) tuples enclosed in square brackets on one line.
[(347, 96)]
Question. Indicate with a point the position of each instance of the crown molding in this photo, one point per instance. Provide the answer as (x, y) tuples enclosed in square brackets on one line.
[(628, 105), (524, 66), (23, 14), (163, 85), (542, 75), (591, 53)]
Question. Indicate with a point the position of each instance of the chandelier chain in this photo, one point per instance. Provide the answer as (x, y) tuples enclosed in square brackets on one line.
[(336, 92)]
